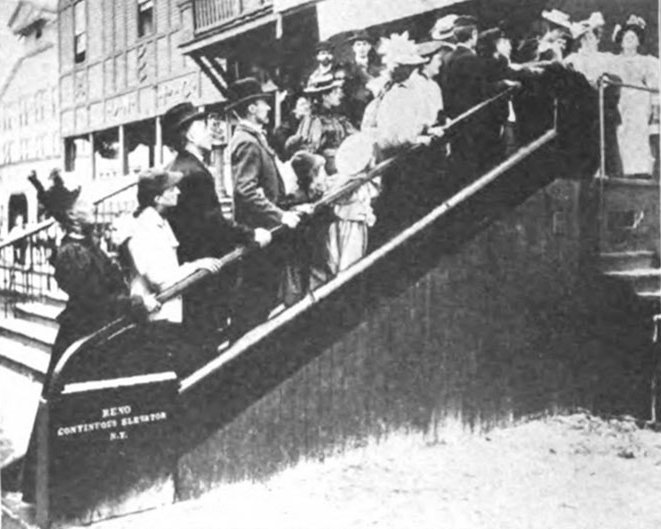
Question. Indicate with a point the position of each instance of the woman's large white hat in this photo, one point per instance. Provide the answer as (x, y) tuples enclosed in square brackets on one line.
[(355, 154)]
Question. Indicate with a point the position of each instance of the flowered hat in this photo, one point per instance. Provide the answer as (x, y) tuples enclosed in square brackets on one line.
[(400, 50), (595, 21), (634, 23)]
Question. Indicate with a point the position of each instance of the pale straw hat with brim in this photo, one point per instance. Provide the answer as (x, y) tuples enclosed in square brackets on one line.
[(444, 28)]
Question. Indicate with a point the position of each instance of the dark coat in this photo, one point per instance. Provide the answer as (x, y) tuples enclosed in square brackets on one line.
[(468, 81), (258, 187), (197, 220), (96, 289), (358, 96)]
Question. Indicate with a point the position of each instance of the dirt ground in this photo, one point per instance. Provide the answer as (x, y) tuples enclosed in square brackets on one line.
[(574, 472)]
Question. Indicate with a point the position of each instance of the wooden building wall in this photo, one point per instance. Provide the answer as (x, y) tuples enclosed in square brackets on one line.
[(124, 78)]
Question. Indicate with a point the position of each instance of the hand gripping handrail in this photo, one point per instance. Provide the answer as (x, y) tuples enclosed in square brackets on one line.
[(45, 224), (178, 288), (262, 331)]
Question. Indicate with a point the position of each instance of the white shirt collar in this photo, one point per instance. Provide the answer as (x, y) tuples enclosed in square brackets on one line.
[(252, 126), (194, 152)]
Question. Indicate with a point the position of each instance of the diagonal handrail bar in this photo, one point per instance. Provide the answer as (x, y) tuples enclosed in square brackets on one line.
[(259, 333), (181, 286), (642, 88)]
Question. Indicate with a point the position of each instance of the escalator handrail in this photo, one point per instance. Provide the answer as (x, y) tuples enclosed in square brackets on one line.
[(609, 81), (181, 286), (256, 335)]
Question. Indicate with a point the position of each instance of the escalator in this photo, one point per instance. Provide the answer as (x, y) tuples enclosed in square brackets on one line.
[(470, 309)]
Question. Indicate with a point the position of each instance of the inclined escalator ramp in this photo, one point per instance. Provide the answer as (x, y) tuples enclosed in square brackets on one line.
[(464, 314)]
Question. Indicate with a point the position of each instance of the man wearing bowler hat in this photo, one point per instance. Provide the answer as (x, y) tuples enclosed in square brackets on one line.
[(197, 220), (361, 70), (258, 193), (325, 63)]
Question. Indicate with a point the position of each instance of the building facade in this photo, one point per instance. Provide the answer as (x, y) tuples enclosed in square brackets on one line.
[(29, 111), (120, 70)]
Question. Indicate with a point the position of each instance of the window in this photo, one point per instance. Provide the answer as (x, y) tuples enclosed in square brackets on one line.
[(145, 17), (79, 31)]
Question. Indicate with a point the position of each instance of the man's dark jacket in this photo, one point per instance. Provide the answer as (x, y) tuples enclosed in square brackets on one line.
[(197, 220), (468, 80), (258, 187)]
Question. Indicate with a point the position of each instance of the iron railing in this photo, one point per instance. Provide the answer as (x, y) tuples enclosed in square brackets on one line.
[(26, 272)]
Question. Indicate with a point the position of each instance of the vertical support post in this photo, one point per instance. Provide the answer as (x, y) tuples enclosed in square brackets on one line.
[(43, 465), (159, 140), (92, 157), (602, 129), (601, 204), (123, 154), (656, 353)]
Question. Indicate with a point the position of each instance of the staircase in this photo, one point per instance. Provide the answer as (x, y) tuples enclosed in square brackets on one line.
[(630, 236), (27, 335)]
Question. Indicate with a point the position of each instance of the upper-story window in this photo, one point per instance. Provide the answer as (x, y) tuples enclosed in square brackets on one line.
[(79, 31), (145, 17)]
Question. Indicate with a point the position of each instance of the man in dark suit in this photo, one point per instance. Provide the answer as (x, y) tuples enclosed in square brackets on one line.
[(197, 220), (360, 72), (468, 82), (258, 193)]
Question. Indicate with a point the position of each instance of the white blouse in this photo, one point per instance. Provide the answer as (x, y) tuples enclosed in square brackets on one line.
[(155, 266)]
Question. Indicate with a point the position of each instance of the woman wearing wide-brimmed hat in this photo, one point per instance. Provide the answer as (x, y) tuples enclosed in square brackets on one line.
[(97, 294), (325, 129), (587, 58)]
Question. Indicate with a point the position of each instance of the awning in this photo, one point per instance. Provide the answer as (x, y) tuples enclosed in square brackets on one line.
[(337, 16)]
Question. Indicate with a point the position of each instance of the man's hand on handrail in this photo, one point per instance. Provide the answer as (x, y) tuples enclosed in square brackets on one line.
[(262, 237), (291, 219), (306, 209)]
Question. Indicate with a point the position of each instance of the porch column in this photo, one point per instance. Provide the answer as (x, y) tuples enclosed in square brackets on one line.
[(92, 156), (123, 154), (159, 140)]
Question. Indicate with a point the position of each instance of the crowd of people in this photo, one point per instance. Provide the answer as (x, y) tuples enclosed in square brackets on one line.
[(345, 118)]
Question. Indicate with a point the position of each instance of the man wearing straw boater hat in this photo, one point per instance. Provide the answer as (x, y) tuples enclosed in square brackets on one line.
[(197, 220), (258, 193)]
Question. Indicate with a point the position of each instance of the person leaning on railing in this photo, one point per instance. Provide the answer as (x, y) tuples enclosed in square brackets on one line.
[(197, 219)]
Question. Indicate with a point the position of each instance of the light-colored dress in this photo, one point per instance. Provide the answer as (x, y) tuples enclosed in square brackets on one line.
[(636, 108), (592, 64), (430, 97), (345, 241), (153, 251)]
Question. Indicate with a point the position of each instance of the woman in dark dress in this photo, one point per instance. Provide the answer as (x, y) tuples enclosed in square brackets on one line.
[(97, 294), (326, 128)]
